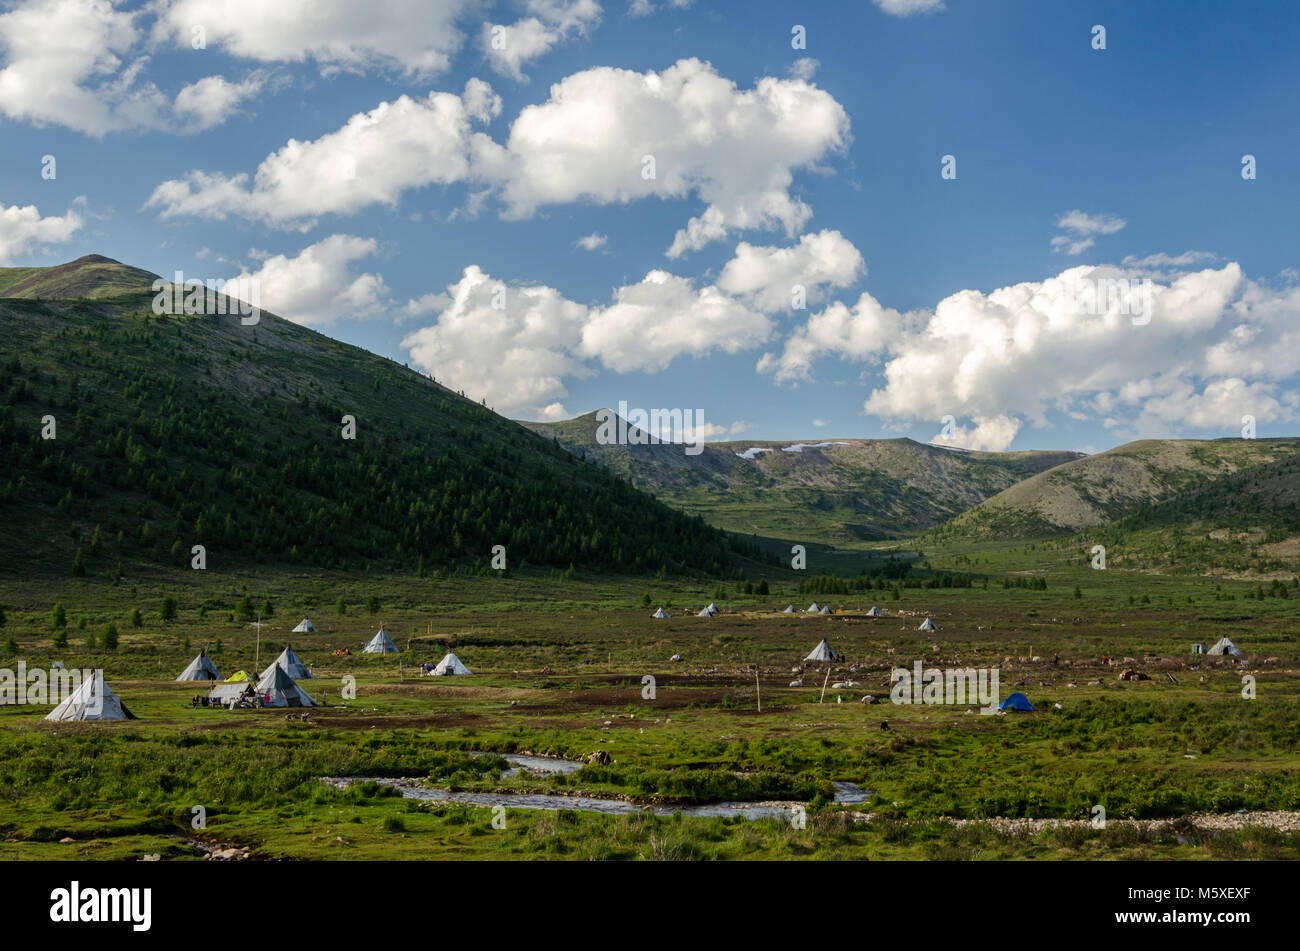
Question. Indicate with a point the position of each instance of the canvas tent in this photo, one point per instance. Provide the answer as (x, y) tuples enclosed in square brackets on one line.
[(710, 611), (1225, 646), (305, 627), (450, 666), (661, 613), (277, 689), (93, 700), (789, 609), (814, 608), (822, 651), (1017, 701), (875, 612), (200, 668), (381, 643), (238, 676), (928, 625), (826, 609), (289, 662), (229, 692)]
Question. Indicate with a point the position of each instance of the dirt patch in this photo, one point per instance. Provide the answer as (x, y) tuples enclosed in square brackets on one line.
[(442, 721)]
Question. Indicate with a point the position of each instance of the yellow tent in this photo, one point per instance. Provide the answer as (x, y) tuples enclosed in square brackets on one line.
[(238, 677)]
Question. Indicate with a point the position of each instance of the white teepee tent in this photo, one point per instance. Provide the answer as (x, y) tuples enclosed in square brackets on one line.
[(710, 611), (93, 700), (928, 625), (789, 609), (381, 643), (661, 613), (822, 651), (1225, 646), (450, 666), (875, 612), (291, 664), (305, 627), (814, 608), (200, 668), (277, 689), (826, 609)]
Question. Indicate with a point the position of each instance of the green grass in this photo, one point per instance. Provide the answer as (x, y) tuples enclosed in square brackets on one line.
[(1144, 750)]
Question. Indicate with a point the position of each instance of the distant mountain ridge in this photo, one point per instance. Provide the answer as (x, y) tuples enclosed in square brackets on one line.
[(864, 490), (1117, 484)]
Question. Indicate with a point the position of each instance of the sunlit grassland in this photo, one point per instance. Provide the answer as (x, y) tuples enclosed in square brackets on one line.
[(559, 666)]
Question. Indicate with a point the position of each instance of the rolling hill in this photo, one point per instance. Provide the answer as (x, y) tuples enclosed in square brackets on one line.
[(1246, 524), (174, 431), (93, 277), (829, 491), (1102, 489)]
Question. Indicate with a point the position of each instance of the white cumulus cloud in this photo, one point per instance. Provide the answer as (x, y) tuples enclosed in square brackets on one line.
[(511, 345), (23, 230), (989, 434), (610, 136), (605, 135), (373, 159), (516, 345), (317, 286), (413, 37), (74, 63), (767, 276), (211, 100), (1208, 347), (651, 323), (857, 333), (509, 48)]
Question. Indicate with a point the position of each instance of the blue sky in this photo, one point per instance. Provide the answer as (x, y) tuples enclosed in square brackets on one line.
[(1131, 157)]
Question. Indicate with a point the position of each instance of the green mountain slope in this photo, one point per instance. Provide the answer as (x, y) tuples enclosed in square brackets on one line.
[(174, 431), (857, 490), (1101, 489), (93, 277), (1243, 524)]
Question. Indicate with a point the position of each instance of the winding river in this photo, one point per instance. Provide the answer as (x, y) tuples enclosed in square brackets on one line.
[(548, 765)]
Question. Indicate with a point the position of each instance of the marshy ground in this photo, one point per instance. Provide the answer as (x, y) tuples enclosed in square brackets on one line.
[(559, 668)]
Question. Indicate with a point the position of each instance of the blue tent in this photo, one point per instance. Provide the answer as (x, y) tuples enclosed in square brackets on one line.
[(1017, 701)]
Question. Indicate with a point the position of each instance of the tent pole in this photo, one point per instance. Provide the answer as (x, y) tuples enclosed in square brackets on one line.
[(825, 682)]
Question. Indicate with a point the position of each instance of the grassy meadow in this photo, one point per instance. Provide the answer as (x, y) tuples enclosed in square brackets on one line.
[(559, 663)]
